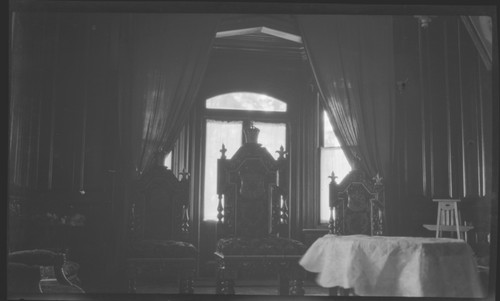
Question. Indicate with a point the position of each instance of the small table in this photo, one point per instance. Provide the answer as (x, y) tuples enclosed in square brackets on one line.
[(395, 266)]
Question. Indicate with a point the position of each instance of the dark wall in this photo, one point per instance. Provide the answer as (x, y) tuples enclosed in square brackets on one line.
[(63, 136), (231, 71), (61, 117), (444, 123)]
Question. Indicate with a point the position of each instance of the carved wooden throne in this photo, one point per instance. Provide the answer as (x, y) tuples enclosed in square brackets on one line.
[(253, 218), (159, 228), (357, 206)]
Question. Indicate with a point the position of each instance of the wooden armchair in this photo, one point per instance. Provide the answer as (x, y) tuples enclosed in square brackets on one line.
[(253, 218), (26, 270), (159, 229), (357, 206)]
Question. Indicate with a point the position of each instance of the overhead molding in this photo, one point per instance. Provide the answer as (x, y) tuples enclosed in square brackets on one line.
[(262, 30)]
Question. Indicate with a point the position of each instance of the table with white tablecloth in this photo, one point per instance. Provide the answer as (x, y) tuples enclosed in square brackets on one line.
[(395, 266)]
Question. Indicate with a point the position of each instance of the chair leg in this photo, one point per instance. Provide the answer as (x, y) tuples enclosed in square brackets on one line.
[(132, 275), (224, 280), (225, 287), (297, 287), (296, 282), (340, 291), (333, 291), (186, 282), (284, 284)]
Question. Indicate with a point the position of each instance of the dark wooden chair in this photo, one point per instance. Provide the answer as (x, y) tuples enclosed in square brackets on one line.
[(26, 269), (159, 229), (253, 218), (357, 206)]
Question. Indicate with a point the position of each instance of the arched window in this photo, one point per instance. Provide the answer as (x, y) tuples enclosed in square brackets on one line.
[(246, 101), (221, 127)]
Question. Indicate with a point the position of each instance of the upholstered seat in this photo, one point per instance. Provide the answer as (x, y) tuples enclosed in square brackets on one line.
[(27, 269), (34, 257), (260, 246), (43, 258), (69, 268), (163, 248)]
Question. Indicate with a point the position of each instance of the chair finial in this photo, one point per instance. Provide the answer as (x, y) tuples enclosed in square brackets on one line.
[(377, 179), (223, 150), (251, 133), (184, 174), (332, 176), (282, 152)]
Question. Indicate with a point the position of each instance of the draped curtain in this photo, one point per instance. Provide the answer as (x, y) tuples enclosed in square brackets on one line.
[(163, 60), (480, 29), (352, 60), (160, 61)]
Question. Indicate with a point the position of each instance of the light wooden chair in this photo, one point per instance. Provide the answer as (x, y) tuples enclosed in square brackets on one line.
[(449, 219)]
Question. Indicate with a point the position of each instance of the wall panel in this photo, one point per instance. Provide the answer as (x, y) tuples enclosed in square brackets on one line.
[(442, 109), (438, 110)]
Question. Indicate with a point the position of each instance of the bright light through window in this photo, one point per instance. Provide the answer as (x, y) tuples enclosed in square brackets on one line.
[(332, 159), (272, 136), (218, 133), (246, 101), (329, 137), (168, 161)]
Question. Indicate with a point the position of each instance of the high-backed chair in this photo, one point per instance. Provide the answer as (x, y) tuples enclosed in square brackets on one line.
[(252, 222), (159, 228), (449, 219), (26, 270), (357, 206)]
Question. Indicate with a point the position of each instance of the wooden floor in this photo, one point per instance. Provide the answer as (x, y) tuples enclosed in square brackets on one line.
[(243, 287)]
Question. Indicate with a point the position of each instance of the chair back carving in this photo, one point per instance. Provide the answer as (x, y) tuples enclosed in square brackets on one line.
[(252, 203), (357, 205), (159, 207)]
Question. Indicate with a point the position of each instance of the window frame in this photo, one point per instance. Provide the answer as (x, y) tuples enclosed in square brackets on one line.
[(237, 115)]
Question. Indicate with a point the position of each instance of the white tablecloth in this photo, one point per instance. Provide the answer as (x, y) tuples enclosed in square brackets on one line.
[(395, 266)]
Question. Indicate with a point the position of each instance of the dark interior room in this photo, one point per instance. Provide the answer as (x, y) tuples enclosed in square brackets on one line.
[(162, 148)]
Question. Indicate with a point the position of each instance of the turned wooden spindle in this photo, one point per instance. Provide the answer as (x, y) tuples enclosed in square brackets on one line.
[(332, 223)]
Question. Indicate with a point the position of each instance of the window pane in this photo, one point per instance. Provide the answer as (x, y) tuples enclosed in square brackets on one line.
[(168, 161), (329, 137), (218, 132), (246, 101), (332, 159), (272, 136)]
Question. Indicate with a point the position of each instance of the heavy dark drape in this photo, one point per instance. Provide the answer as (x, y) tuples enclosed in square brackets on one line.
[(161, 62), (94, 96), (164, 58), (352, 61)]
